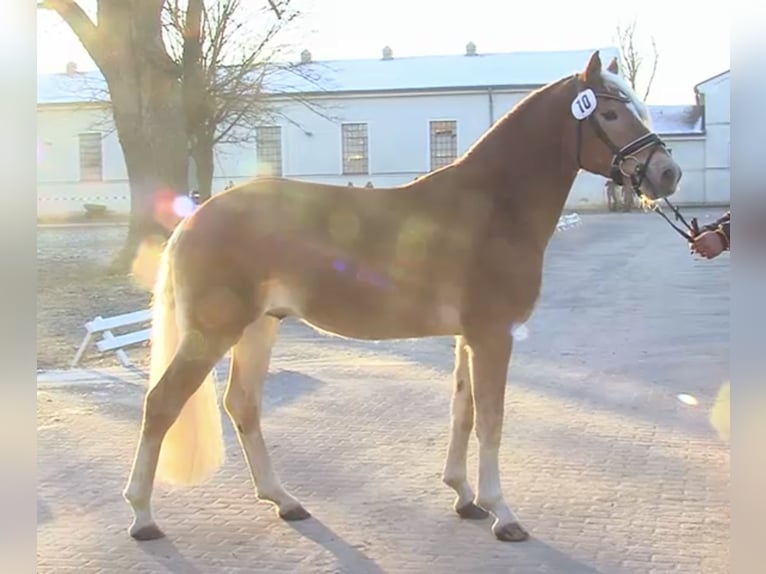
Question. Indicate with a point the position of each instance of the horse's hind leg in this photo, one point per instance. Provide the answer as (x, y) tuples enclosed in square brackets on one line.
[(461, 425), (162, 405), (243, 399)]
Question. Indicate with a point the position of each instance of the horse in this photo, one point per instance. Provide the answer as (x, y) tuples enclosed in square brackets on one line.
[(457, 252)]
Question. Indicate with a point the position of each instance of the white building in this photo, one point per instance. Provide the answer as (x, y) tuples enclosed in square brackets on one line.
[(390, 120), (713, 94)]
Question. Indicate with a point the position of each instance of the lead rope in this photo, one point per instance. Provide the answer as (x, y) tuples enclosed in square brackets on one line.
[(692, 228)]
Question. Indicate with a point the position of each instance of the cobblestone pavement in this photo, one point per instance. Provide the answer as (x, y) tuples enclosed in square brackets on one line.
[(607, 468)]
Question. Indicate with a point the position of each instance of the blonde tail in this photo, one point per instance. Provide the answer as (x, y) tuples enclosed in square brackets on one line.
[(193, 447)]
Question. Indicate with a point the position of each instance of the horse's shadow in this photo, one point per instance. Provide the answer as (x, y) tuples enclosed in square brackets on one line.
[(353, 560), (44, 513), (166, 554), (543, 555), (349, 558)]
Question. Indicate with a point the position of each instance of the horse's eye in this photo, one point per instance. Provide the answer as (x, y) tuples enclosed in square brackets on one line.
[(609, 115)]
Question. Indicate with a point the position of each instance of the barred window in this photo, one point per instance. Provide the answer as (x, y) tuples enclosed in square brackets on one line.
[(268, 144), (91, 165), (355, 145), (443, 142)]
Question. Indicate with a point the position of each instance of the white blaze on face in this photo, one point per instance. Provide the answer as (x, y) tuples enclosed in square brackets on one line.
[(635, 105)]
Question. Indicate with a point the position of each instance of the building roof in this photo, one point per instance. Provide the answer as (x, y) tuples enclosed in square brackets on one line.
[(522, 70), (419, 73), (74, 88), (718, 76), (677, 120), (512, 69)]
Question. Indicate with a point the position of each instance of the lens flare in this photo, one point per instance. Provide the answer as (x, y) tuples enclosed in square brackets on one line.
[(164, 212), (183, 206), (519, 331), (720, 413), (687, 399), (344, 226), (146, 262)]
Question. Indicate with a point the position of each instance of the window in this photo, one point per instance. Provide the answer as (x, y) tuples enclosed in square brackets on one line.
[(355, 140), (443, 143), (90, 157), (268, 150)]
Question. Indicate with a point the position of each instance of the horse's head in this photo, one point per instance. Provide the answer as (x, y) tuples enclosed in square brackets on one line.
[(613, 134)]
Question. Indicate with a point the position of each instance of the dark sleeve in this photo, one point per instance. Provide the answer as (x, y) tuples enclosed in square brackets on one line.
[(721, 225)]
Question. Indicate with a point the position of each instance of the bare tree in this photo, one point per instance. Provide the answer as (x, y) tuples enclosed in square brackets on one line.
[(227, 70), (148, 103), (632, 58), (126, 45)]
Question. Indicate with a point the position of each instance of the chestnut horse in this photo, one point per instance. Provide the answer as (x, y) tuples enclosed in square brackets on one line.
[(457, 252)]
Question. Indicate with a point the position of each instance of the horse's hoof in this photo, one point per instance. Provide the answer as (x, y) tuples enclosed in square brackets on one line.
[(472, 512), (294, 514), (148, 532), (512, 532)]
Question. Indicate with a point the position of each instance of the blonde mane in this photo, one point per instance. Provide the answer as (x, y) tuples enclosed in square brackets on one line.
[(620, 84)]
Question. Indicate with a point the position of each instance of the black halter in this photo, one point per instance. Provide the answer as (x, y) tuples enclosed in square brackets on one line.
[(617, 171)]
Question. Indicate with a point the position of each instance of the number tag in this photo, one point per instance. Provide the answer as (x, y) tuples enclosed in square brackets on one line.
[(584, 104)]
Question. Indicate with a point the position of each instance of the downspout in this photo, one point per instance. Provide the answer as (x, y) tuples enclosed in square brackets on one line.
[(491, 107), (700, 98)]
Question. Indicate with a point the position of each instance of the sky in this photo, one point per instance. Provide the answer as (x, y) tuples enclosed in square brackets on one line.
[(693, 43)]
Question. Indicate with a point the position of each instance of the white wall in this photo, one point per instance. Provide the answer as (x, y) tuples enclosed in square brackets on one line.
[(718, 141), (398, 140), (398, 128), (398, 131), (59, 189), (689, 152)]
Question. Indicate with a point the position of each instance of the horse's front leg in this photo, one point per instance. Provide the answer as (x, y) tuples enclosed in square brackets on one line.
[(490, 356), (461, 425)]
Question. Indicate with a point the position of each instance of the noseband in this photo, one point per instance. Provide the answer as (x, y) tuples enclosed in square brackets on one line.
[(620, 156)]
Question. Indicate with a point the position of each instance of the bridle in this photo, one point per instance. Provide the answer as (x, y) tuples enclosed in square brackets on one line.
[(620, 155)]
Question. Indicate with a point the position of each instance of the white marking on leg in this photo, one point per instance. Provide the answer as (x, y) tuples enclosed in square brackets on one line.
[(490, 493), (138, 493), (461, 425), (162, 406), (489, 368), (243, 402)]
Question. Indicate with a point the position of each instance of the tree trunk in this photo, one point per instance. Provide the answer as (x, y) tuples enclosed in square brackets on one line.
[(153, 140), (202, 153), (145, 92), (157, 175)]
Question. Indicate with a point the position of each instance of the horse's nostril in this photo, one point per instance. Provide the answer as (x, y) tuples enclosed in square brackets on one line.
[(670, 176)]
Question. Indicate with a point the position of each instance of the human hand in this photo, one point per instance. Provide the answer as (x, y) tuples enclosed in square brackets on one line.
[(708, 244)]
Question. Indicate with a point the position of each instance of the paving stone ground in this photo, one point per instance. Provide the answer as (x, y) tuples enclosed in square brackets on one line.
[(609, 471)]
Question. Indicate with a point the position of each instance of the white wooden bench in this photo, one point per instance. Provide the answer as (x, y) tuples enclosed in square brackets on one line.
[(105, 326)]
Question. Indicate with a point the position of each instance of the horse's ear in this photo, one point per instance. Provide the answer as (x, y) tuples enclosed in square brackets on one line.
[(592, 72), (613, 66)]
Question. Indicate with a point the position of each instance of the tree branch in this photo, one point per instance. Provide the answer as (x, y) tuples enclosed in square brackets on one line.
[(631, 59), (275, 9), (654, 69), (80, 23)]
